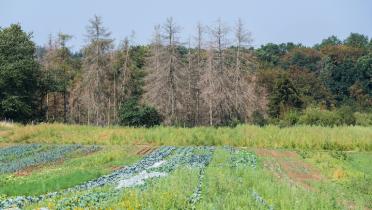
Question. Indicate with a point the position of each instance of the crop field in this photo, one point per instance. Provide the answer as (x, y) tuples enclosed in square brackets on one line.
[(138, 175)]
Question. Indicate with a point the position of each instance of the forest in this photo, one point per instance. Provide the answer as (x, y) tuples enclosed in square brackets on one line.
[(214, 78), (210, 121)]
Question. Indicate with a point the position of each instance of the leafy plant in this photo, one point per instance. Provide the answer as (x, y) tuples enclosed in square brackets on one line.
[(134, 114), (258, 118), (316, 116)]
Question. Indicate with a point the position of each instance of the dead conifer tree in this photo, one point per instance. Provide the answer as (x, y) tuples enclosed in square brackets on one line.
[(244, 96), (216, 85), (165, 77), (196, 61), (95, 73)]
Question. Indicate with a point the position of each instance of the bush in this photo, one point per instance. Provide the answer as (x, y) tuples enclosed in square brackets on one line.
[(134, 114), (258, 118), (363, 119), (289, 119), (346, 114), (316, 116)]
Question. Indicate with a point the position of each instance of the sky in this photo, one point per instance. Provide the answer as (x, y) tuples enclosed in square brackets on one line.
[(275, 21)]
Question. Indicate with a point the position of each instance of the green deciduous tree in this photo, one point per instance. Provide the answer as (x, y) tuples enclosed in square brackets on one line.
[(284, 98), (302, 58), (340, 72), (361, 90), (356, 40), (330, 41)]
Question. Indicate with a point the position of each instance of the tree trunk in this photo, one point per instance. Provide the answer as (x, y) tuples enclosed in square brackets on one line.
[(64, 107), (47, 107)]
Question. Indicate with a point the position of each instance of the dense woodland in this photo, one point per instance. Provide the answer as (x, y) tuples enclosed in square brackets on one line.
[(214, 78)]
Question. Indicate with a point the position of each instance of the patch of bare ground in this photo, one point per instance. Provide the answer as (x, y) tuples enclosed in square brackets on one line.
[(140, 149), (115, 168), (4, 133), (28, 170), (288, 164), (145, 149)]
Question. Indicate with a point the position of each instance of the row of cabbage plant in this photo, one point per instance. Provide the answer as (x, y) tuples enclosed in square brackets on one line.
[(159, 163), (167, 160), (15, 152), (245, 158), (110, 179), (36, 155)]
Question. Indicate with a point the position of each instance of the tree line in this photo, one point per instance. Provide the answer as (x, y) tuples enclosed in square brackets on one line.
[(214, 78)]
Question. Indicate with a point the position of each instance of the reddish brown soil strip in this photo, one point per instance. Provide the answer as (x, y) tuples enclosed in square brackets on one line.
[(276, 154), (145, 149), (4, 133), (28, 170), (289, 164), (115, 168)]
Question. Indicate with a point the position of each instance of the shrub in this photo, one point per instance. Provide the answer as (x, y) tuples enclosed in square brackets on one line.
[(284, 97), (363, 119), (316, 116), (346, 114), (134, 114), (258, 118), (289, 118)]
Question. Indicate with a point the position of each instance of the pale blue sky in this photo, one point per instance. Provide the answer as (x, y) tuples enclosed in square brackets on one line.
[(275, 21)]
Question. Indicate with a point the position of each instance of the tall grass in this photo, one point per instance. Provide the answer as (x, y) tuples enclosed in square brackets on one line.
[(298, 137)]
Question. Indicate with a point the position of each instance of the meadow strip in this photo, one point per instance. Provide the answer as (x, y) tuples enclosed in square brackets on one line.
[(344, 138)]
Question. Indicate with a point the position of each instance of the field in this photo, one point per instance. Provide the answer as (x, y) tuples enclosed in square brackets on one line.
[(58, 166)]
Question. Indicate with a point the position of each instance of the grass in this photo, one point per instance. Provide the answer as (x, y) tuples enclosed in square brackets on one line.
[(349, 174), (226, 185), (71, 172), (344, 138), (341, 154), (171, 192), (231, 188)]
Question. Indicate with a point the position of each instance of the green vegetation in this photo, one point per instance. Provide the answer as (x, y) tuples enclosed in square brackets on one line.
[(72, 171), (350, 174), (233, 179), (133, 114), (237, 187), (297, 137), (215, 124), (324, 117), (172, 192), (19, 74), (328, 84), (329, 170)]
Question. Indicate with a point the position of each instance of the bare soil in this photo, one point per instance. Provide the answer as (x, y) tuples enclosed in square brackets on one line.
[(145, 149), (288, 164)]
